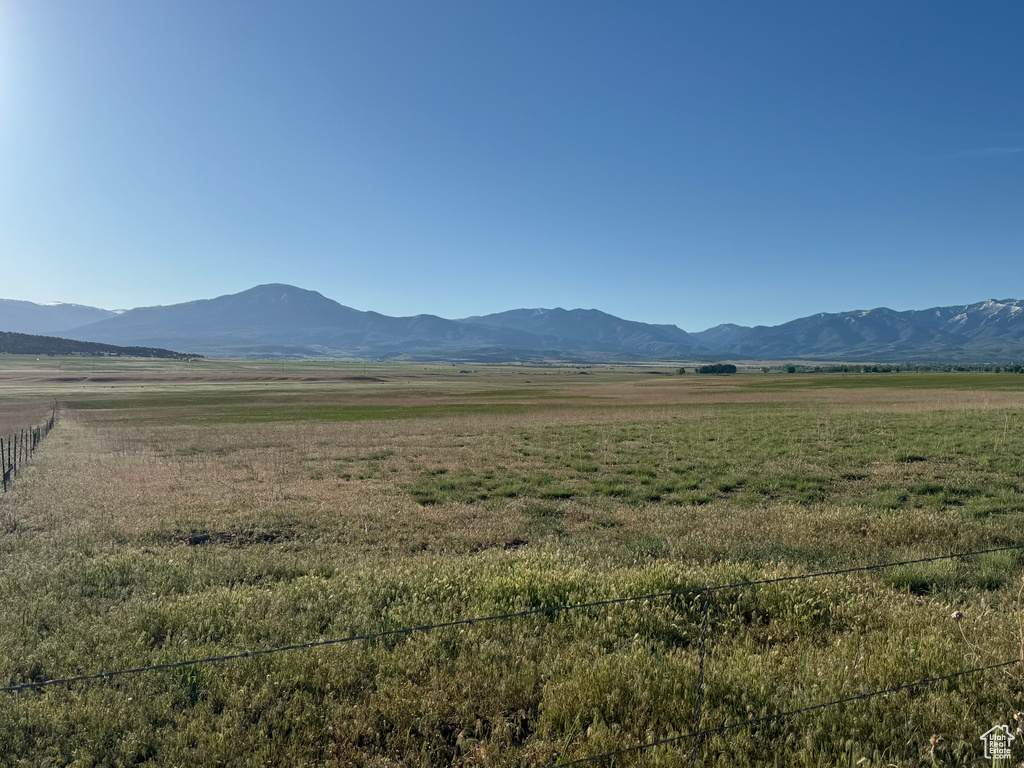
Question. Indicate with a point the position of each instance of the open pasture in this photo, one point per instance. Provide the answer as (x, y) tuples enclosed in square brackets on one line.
[(183, 510)]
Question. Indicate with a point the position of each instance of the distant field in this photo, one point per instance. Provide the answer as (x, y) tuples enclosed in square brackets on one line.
[(183, 510)]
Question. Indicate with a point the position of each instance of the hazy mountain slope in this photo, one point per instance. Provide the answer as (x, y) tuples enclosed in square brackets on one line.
[(28, 317), (720, 336), (592, 329), (283, 320), (990, 330)]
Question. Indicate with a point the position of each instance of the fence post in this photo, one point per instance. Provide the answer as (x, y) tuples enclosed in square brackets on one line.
[(698, 704), (20, 446)]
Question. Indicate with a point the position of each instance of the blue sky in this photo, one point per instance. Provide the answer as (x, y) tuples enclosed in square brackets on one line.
[(674, 162)]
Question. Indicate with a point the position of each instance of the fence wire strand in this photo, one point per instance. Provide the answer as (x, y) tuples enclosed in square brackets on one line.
[(370, 636), (703, 734)]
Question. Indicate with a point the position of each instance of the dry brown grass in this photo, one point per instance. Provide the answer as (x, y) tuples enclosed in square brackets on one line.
[(17, 413)]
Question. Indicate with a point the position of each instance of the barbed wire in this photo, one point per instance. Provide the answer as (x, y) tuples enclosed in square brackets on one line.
[(21, 446), (370, 636), (703, 734)]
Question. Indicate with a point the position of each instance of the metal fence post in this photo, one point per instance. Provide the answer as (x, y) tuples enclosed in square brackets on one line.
[(698, 704)]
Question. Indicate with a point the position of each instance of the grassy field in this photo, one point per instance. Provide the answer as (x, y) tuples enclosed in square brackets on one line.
[(183, 510)]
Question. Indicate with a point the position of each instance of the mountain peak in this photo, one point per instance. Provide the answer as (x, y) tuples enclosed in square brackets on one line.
[(279, 291)]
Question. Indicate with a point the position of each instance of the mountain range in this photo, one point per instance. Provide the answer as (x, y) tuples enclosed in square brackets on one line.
[(277, 320)]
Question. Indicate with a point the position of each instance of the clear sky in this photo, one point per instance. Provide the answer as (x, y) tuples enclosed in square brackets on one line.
[(690, 162)]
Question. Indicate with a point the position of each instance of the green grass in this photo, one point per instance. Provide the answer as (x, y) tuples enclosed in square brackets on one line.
[(328, 413), (234, 410), (968, 465), (120, 401)]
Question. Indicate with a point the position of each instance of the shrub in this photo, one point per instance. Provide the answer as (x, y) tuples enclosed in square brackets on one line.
[(717, 368)]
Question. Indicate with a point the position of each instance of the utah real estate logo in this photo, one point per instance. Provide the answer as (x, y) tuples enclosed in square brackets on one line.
[(997, 742)]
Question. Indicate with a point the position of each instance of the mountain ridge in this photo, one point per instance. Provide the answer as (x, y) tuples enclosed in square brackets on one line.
[(36, 319), (279, 320)]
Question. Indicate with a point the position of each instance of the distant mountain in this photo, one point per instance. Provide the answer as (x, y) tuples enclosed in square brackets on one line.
[(27, 317), (593, 330), (720, 336), (29, 344), (987, 331), (283, 321)]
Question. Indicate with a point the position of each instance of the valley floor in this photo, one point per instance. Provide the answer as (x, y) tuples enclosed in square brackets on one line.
[(188, 510)]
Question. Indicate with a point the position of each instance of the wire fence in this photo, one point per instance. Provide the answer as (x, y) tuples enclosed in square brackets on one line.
[(18, 448), (705, 592), (698, 735)]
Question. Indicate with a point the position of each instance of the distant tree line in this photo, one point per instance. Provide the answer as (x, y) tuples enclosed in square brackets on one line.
[(713, 368), (717, 368), (28, 344), (1003, 368), (889, 368)]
